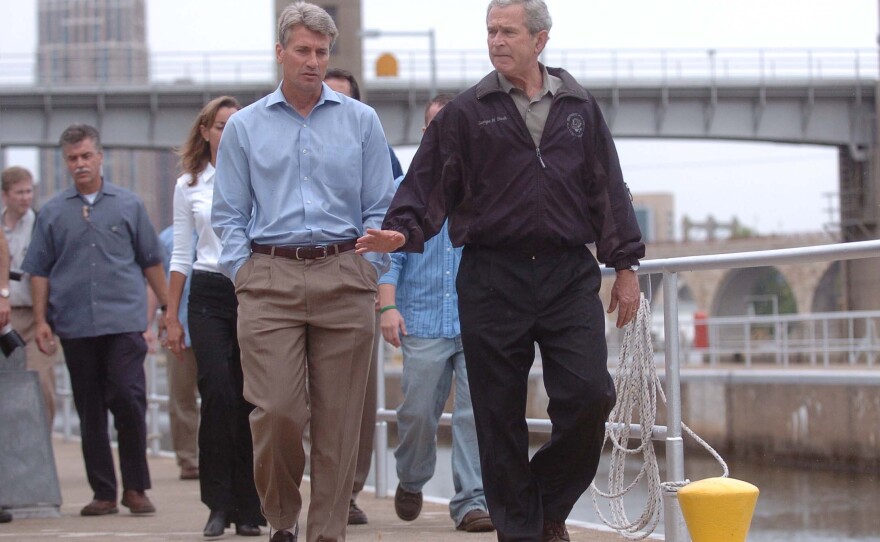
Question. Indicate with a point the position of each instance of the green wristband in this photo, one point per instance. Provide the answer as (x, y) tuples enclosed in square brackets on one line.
[(387, 308)]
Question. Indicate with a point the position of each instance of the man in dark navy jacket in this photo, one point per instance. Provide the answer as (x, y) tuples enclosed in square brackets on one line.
[(525, 168)]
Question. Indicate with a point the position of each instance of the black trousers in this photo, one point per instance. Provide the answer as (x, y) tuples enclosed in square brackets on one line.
[(107, 374), (226, 457), (508, 301)]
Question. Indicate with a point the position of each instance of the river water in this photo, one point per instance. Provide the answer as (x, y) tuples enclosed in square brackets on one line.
[(796, 504)]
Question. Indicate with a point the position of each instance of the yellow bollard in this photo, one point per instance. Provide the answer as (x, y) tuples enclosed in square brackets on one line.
[(718, 509)]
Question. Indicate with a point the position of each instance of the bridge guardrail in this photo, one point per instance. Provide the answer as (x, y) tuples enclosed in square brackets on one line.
[(466, 66), (828, 339), (657, 66)]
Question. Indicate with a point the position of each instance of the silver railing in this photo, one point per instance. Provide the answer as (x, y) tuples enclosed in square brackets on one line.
[(827, 339), (656, 66), (449, 66), (794, 340), (671, 434)]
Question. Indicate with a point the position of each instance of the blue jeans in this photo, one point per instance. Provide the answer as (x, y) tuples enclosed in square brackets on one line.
[(428, 369)]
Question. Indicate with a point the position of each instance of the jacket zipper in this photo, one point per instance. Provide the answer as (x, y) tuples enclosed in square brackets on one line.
[(541, 160)]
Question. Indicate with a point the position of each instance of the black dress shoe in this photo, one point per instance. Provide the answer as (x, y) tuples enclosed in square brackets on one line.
[(5, 517), (216, 523), (286, 536), (555, 531), (245, 529)]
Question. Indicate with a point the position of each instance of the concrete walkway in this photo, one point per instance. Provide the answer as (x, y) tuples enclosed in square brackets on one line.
[(181, 516)]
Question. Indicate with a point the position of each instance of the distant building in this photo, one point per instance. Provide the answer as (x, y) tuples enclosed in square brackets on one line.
[(103, 43), (655, 213)]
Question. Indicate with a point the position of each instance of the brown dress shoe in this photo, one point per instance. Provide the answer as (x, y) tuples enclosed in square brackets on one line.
[(356, 516), (99, 508), (407, 504), (137, 502), (476, 521), (189, 473), (555, 531)]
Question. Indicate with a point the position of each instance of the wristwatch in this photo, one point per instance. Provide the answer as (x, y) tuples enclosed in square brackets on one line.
[(4, 293), (634, 268)]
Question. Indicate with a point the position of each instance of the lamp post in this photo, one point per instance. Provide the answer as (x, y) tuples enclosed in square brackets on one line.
[(432, 48)]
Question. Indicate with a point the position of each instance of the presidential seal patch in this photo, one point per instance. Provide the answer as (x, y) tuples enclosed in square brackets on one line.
[(575, 123)]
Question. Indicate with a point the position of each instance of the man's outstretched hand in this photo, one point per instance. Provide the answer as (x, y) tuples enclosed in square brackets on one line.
[(379, 241)]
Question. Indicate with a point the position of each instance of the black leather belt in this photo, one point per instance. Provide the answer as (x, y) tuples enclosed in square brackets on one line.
[(303, 253)]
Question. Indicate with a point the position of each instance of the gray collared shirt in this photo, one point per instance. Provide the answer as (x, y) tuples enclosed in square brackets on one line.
[(534, 110), (18, 238), (94, 256)]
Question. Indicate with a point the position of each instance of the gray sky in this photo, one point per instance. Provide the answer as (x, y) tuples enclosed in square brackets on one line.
[(773, 188)]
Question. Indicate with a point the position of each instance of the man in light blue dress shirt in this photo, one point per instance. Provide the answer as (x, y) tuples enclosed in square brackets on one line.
[(300, 175)]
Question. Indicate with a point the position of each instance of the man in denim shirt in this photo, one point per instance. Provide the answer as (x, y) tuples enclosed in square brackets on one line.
[(419, 307), (92, 246)]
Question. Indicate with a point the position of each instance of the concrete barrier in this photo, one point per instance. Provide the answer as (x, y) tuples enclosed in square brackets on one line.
[(28, 477)]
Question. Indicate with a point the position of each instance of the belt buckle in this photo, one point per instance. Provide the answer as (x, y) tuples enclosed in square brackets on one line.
[(326, 253)]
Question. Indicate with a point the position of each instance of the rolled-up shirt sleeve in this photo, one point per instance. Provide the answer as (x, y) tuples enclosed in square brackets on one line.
[(184, 227), (148, 250), (40, 256), (392, 276)]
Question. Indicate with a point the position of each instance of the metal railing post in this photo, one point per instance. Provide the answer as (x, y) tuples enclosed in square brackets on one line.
[(851, 334), (826, 361), (67, 407), (154, 436), (380, 459), (675, 528), (432, 59), (747, 336)]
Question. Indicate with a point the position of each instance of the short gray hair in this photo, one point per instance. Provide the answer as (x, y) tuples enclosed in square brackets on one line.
[(537, 15), (75, 133), (309, 15)]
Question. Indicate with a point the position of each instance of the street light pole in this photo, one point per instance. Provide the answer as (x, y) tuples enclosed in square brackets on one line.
[(432, 56)]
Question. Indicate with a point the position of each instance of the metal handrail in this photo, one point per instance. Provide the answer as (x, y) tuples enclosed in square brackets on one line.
[(842, 337), (675, 529), (665, 66), (662, 66)]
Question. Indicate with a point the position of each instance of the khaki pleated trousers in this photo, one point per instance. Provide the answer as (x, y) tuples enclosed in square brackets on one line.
[(305, 328)]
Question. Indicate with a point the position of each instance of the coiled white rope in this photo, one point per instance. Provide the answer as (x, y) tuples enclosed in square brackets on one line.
[(637, 387)]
